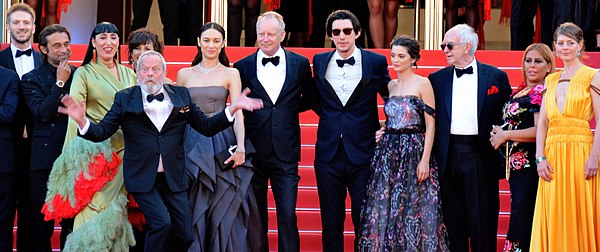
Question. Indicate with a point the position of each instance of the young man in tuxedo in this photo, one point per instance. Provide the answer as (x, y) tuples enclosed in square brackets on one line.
[(347, 81), (153, 117), (469, 97), (21, 58), (279, 78), (42, 90)]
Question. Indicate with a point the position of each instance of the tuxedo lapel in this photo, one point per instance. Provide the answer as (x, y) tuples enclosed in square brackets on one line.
[(8, 59), (255, 84), (178, 103), (37, 58), (482, 86), (367, 69), (138, 107), (290, 66), (320, 73), (447, 89)]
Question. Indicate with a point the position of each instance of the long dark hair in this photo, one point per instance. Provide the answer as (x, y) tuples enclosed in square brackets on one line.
[(104, 27), (222, 55)]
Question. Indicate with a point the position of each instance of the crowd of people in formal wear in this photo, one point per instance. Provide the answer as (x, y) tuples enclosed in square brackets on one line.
[(127, 159)]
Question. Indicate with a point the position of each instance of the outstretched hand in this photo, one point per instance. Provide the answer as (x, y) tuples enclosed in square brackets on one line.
[(75, 109), (246, 103)]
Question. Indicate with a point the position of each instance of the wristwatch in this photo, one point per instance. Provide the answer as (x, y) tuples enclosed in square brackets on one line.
[(60, 83)]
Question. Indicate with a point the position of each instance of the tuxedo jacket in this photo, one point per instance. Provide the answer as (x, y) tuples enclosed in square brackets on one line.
[(276, 127), (493, 90), (355, 123), (144, 143), (9, 98), (23, 117), (42, 96)]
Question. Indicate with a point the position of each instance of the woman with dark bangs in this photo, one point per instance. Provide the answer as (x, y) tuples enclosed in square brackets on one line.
[(141, 41), (87, 179)]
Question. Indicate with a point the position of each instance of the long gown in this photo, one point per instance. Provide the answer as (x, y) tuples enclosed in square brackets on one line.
[(225, 216), (101, 225), (567, 210), (398, 213)]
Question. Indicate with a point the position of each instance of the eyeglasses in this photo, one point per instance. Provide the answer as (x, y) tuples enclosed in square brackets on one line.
[(347, 31), (450, 45)]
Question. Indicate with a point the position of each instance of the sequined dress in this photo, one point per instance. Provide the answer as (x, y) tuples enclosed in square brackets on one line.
[(398, 213)]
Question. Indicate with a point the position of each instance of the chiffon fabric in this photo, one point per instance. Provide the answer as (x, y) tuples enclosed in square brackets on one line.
[(224, 212), (567, 211)]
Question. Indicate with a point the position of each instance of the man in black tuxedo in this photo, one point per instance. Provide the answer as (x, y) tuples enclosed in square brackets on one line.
[(153, 118), (9, 98), (169, 16), (43, 88), (279, 78), (347, 81), (21, 58), (469, 97)]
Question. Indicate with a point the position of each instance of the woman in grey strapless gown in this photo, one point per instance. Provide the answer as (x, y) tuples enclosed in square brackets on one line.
[(224, 212)]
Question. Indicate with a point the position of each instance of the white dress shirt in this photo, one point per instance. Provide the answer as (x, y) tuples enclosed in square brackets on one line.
[(464, 103), (23, 64), (270, 76), (344, 79)]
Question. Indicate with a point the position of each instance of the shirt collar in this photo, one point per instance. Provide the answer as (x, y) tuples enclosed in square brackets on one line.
[(14, 49), (279, 53), (356, 54)]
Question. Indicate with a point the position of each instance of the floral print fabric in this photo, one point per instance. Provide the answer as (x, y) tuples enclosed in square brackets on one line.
[(398, 213)]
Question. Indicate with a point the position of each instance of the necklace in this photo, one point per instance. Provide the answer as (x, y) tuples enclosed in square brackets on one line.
[(207, 71)]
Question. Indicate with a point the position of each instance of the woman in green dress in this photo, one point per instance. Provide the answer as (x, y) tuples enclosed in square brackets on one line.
[(88, 175)]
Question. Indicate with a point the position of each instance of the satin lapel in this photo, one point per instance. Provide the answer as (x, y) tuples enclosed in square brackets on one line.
[(7, 55), (37, 58), (289, 74), (137, 106), (482, 87), (447, 86), (367, 70), (177, 101), (256, 87), (321, 75)]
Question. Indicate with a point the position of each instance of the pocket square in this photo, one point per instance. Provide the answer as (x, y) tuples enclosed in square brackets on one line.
[(184, 109), (492, 90)]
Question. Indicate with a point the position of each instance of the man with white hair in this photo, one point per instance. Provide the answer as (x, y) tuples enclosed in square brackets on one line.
[(153, 117), (469, 96)]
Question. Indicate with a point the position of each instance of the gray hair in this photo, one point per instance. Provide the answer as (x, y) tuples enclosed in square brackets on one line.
[(269, 15), (466, 34), (139, 61)]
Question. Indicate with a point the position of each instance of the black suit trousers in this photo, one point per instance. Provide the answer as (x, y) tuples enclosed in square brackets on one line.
[(521, 22), (284, 183), (470, 198), (7, 211), (169, 12), (168, 216), (41, 230), (334, 180)]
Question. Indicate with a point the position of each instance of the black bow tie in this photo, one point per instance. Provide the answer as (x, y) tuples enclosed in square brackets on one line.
[(159, 97), (349, 61), (273, 60), (460, 72), (26, 52)]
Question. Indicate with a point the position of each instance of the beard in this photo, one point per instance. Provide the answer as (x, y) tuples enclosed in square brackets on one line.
[(151, 85), (14, 36)]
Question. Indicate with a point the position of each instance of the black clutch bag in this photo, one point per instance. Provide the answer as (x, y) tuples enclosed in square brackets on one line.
[(224, 155)]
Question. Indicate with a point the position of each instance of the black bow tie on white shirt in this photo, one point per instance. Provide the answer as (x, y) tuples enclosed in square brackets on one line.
[(159, 97), (349, 61), (460, 72), (273, 60), (26, 52)]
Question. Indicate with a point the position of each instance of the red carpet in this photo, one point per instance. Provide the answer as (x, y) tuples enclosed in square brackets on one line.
[(309, 221)]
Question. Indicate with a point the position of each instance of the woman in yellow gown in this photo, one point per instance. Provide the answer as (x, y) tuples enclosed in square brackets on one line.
[(567, 211), (96, 193)]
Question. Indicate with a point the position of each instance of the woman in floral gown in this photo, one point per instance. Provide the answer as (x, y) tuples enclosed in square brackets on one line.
[(402, 209), (516, 141)]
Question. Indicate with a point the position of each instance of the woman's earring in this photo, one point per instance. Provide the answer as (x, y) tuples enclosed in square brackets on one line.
[(578, 53), (556, 53)]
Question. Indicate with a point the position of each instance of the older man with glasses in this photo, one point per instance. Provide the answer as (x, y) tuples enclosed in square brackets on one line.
[(469, 97)]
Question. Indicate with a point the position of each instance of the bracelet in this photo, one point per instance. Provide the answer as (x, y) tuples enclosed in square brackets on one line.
[(238, 150), (540, 159)]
